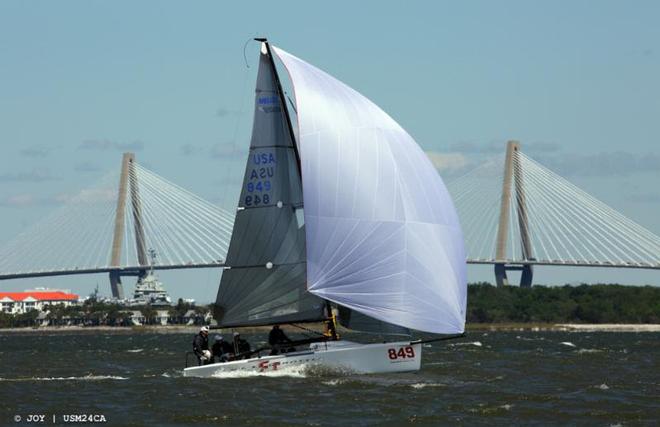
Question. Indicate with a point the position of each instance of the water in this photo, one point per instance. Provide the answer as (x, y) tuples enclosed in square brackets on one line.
[(493, 378)]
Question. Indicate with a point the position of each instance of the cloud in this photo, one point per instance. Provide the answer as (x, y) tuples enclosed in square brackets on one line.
[(35, 175), (222, 150), (469, 147), (27, 200), (619, 163), (497, 146), (106, 144), (540, 147), (35, 152), (18, 201), (87, 196), (84, 197), (86, 167), (448, 163)]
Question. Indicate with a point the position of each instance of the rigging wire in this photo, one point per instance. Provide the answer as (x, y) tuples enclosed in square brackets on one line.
[(307, 329)]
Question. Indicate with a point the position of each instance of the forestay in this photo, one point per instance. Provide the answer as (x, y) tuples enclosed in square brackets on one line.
[(382, 234), (266, 281)]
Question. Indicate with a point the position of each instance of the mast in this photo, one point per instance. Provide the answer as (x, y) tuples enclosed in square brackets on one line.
[(280, 94)]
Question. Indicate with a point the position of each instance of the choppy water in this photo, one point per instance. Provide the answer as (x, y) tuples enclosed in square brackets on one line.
[(494, 378)]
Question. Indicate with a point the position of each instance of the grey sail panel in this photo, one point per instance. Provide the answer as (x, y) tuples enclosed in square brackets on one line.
[(268, 297), (266, 283), (357, 321)]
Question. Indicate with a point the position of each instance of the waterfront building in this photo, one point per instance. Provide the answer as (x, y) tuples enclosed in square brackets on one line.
[(35, 299)]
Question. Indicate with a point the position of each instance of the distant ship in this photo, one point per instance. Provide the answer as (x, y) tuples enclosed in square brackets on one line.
[(149, 290)]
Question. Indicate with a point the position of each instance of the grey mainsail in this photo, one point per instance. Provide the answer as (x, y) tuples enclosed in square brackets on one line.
[(357, 321), (266, 281)]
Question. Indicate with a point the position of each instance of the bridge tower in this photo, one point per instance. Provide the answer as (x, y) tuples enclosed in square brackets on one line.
[(128, 189), (513, 182)]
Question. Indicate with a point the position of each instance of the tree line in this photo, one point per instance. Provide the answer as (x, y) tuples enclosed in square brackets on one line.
[(598, 303)]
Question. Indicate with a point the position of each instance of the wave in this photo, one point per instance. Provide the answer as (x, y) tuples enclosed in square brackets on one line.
[(518, 337), (424, 385), (85, 378), (474, 343), (567, 344), (293, 372), (589, 350), (333, 382), (136, 350), (298, 371)]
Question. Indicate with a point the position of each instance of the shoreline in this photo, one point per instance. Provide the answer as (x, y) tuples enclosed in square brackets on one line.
[(563, 327), (472, 327)]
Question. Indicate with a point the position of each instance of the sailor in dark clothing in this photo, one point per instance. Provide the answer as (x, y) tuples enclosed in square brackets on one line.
[(222, 350), (278, 341), (240, 345), (201, 346)]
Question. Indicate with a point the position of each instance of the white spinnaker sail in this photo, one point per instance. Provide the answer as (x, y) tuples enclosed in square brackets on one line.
[(383, 237)]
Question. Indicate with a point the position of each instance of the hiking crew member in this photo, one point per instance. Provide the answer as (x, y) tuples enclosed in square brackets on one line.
[(278, 340), (240, 345), (222, 350)]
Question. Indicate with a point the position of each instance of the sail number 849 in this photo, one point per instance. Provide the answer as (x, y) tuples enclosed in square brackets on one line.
[(401, 353), (256, 200)]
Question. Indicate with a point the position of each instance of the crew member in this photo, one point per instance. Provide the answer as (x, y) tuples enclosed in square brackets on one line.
[(240, 345), (330, 329), (278, 340), (201, 346), (222, 350)]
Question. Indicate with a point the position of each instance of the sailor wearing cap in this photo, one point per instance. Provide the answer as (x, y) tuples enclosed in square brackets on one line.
[(201, 346)]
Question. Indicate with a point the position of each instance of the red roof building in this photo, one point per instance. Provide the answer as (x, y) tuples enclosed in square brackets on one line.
[(21, 302)]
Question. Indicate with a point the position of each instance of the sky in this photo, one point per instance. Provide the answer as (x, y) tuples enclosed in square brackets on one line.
[(576, 82)]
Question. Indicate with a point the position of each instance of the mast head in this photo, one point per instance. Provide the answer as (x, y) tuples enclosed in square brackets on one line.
[(264, 44)]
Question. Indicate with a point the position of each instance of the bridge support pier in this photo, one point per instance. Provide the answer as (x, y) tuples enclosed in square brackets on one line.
[(116, 286), (526, 276), (128, 189), (512, 188), (501, 278)]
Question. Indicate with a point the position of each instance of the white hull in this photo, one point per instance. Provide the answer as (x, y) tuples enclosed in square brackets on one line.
[(340, 355)]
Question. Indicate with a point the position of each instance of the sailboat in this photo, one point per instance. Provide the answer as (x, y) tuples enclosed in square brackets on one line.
[(342, 218)]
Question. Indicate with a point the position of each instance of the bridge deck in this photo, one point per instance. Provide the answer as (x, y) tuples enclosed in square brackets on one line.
[(136, 269), (567, 263), (123, 270)]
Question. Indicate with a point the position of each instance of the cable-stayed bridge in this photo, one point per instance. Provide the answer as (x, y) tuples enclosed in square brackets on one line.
[(110, 229), (514, 212)]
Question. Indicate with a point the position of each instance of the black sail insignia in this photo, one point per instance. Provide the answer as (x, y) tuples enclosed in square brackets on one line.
[(266, 279)]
